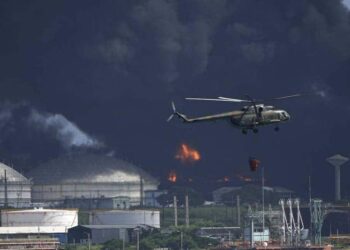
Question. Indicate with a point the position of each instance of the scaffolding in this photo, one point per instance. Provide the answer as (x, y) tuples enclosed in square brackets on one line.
[(292, 227)]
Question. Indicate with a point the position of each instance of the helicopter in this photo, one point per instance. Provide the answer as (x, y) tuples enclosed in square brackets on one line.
[(249, 117)]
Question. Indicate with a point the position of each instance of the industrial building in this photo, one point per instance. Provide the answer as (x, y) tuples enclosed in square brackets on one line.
[(128, 218), (225, 194), (15, 189), (88, 176), (97, 234)]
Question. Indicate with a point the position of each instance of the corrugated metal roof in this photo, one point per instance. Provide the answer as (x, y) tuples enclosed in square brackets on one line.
[(33, 230), (88, 168), (11, 174)]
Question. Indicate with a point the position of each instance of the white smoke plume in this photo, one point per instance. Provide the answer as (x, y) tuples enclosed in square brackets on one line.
[(65, 131)]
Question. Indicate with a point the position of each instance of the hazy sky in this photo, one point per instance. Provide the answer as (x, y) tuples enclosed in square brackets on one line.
[(99, 76)]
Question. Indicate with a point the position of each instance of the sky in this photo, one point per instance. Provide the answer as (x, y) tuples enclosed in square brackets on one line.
[(99, 76)]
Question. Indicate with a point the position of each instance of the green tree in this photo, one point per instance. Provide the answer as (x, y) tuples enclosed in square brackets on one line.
[(113, 245)]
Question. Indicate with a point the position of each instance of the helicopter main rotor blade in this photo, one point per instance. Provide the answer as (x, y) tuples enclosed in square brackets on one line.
[(232, 99), (285, 97), (227, 99), (220, 99), (281, 97)]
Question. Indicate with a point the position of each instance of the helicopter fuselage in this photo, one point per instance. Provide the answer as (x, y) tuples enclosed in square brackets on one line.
[(266, 115)]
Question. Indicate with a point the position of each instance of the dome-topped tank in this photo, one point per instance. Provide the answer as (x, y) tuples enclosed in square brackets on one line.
[(89, 176), (16, 188), (90, 168), (11, 174)]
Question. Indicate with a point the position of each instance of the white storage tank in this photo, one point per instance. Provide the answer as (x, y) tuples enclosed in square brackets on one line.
[(39, 218), (129, 218), (89, 176)]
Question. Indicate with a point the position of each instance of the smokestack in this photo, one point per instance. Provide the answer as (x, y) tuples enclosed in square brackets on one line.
[(337, 161), (187, 212), (175, 211)]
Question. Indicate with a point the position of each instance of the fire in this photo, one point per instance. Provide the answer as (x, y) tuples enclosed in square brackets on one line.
[(187, 154), (172, 176), (244, 178)]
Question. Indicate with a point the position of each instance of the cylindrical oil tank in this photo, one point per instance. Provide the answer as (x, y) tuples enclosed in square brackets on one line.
[(89, 176), (130, 218), (39, 218)]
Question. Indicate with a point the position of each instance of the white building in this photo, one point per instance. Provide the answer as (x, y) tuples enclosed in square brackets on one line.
[(89, 177), (15, 190)]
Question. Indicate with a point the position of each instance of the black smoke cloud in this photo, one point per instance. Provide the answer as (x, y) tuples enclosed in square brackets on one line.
[(114, 66)]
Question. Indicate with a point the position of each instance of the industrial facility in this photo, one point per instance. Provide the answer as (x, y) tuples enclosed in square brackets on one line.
[(15, 189), (85, 177)]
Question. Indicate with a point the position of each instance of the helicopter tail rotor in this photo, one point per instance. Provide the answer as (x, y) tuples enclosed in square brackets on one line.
[(181, 116), (174, 112)]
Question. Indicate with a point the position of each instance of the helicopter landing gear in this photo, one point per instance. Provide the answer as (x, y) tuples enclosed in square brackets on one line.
[(244, 131), (277, 129), (255, 130)]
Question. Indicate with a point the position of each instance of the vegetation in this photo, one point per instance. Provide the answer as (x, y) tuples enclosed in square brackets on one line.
[(113, 244), (204, 216), (173, 240)]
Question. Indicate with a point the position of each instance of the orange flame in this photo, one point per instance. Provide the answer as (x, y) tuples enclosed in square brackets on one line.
[(172, 176), (187, 154), (244, 178)]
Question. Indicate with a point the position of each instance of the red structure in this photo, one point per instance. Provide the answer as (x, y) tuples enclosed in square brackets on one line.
[(253, 164)]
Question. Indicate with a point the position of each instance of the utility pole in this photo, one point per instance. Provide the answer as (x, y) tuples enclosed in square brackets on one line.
[(263, 199), (124, 239), (175, 211), (232, 214), (238, 212), (141, 192), (6, 194), (138, 239), (187, 212), (181, 240), (310, 208)]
